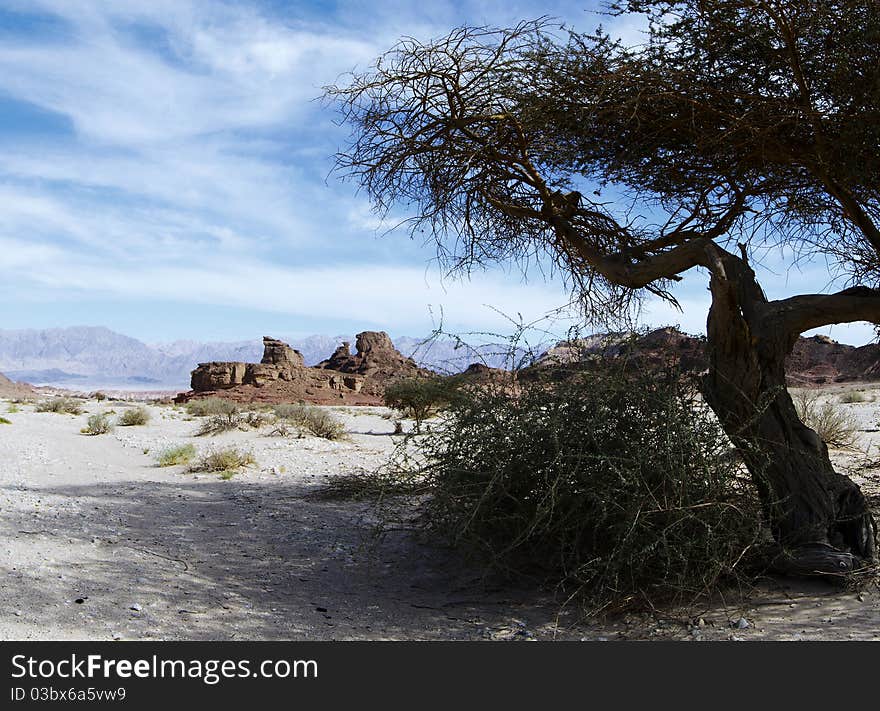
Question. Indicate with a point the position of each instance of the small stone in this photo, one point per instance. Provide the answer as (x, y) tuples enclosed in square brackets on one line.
[(742, 624), (701, 622), (136, 607)]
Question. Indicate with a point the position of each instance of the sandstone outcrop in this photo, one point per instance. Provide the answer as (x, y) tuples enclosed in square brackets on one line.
[(282, 375), (376, 359)]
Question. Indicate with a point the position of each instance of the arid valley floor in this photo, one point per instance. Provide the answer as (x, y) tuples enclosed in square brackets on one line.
[(98, 542)]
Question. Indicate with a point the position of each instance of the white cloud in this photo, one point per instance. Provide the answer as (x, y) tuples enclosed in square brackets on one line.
[(196, 165)]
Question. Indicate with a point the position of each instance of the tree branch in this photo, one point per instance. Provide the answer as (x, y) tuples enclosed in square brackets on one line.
[(801, 313)]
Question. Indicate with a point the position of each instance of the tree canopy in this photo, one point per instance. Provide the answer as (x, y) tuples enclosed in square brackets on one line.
[(740, 121), (736, 125)]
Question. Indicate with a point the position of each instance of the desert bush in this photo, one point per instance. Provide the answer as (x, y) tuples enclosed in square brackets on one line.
[(311, 419), (232, 419), (211, 406), (290, 411), (98, 424), (224, 461), (419, 398), (4, 421), (215, 424), (616, 485), (134, 416), (852, 396), (13, 408), (182, 454), (836, 427), (256, 420), (60, 405), (99, 396)]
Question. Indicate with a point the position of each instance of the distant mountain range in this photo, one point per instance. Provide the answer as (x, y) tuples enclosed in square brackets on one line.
[(89, 357)]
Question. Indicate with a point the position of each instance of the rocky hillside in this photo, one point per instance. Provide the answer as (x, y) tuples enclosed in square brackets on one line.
[(816, 360), (10, 389)]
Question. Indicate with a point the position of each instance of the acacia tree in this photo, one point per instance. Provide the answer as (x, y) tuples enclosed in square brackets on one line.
[(736, 125)]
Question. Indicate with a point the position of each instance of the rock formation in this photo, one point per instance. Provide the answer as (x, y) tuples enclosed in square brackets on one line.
[(360, 378), (282, 375), (376, 358)]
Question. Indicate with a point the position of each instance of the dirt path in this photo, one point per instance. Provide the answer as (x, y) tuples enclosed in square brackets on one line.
[(100, 543)]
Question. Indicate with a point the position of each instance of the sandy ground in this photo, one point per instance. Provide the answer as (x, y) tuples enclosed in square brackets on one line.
[(98, 542)]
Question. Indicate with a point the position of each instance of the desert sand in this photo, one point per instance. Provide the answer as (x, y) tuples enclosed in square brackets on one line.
[(98, 542)]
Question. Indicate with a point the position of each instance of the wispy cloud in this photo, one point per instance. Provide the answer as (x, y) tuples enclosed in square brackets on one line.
[(190, 157)]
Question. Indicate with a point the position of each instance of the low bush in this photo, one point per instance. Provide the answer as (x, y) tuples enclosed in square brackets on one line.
[(224, 461), (255, 420), (134, 417), (616, 485), (211, 406), (182, 454), (215, 424), (98, 424), (311, 419), (4, 421), (60, 405), (852, 396), (835, 426)]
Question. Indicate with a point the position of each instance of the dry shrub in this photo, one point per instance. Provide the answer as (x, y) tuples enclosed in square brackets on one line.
[(182, 454), (836, 427), (852, 396), (205, 407), (60, 405), (97, 425), (310, 419), (223, 461), (616, 486), (134, 417), (215, 424)]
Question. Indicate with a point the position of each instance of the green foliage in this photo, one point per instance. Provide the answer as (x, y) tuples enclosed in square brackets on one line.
[(836, 427), (182, 454), (226, 462), (134, 417), (4, 421), (420, 398), (97, 425), (616, 485), (311, 419), (60, 405), (852, 396), (13, 408)]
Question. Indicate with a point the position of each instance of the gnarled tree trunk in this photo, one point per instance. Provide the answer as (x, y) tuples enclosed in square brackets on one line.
[(819, 518)]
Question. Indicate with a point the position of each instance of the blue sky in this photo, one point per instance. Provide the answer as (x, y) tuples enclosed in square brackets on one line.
[(164, 171)]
